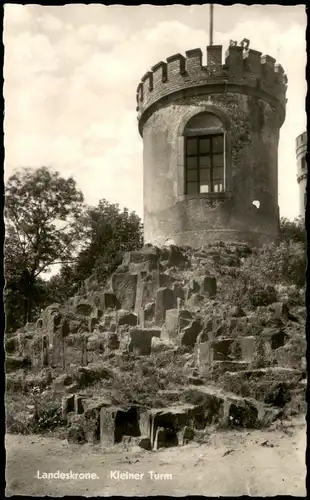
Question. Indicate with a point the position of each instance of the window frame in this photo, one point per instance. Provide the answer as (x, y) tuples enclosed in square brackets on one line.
[(210, 136)]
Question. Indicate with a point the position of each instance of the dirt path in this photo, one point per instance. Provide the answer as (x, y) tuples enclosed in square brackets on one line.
[(232, 463)]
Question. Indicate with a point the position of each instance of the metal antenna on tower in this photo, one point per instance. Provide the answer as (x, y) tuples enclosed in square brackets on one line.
[(211, 24)]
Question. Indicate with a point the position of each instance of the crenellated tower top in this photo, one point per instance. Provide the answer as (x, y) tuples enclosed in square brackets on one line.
[(245, 70)]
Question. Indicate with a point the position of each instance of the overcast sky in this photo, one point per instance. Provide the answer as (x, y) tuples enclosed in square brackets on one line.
[(71, 75)]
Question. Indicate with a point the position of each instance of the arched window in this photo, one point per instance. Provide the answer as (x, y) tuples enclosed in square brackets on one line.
[(204, 155)]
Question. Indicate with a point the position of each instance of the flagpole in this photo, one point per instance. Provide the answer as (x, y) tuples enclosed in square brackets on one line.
[(211, 24)]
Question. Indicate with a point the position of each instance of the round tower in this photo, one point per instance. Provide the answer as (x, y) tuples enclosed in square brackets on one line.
[(302, 170), (210, 147)]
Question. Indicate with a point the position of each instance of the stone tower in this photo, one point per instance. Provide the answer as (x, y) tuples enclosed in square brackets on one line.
[(210, 146), (302, 170)]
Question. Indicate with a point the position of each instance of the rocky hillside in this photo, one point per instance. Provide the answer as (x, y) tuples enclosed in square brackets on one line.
[(161, 352)]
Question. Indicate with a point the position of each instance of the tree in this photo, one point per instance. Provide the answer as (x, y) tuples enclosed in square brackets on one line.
[(41, 214), (107, 232), (293, 230)]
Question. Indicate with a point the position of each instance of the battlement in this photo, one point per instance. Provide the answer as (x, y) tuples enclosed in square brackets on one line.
[(249, 69)]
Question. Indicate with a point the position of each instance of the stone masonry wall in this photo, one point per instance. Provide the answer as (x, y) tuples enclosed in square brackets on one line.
[(252, 134)]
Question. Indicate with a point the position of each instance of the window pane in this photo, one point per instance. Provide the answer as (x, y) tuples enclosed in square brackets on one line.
[(217, 144), (204, 161), (218, 174), (217, 160), (192, 175), (217, 187), (204, 188), (192, 162), (204, 145), (191, 146), (204, 175), (192, 188)]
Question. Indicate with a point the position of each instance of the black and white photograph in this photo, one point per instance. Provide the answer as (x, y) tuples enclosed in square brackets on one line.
[(155, 250)]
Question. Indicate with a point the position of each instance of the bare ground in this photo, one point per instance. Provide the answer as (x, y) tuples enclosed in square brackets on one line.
[(256, 463)]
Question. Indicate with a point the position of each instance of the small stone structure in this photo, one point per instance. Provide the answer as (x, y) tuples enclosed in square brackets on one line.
[(210, 137)]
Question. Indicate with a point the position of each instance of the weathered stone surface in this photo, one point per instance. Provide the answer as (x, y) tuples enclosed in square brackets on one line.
[(91, 283), (190, 333), (92, 323), (62, 380), (67, 405), (220, 367), (16, 363), (11, 344), (113, 341), (172, 418), (76, 435), (292, 354), (248, 348), (214, 350), (117, 422), (146, 254), (174, 257), (226, 409), (175, 321), (39, 323), (96, 343), (261, 382), (194, 286), (160, 345), (83, 308), (148, 285), (165, 299), (141, 340), (185, 435), (236, 312), (79, 404), (208, 286), (194, 300), (280, 310), (71, 389), (149, 311), (127, 318), (276, 338), (86, 375), (165, 438), (124, 286), (109, 301), (179, 291)]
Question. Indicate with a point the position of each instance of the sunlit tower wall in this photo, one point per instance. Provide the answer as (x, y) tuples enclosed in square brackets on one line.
[(302, 170)]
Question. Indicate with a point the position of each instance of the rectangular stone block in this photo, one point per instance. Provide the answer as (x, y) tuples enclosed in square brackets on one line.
[(124, 286), (248, 348), (175, 321), (79, 404), (165, 299), (117, 422), (141, 340), (208, 286), (67, 405)]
